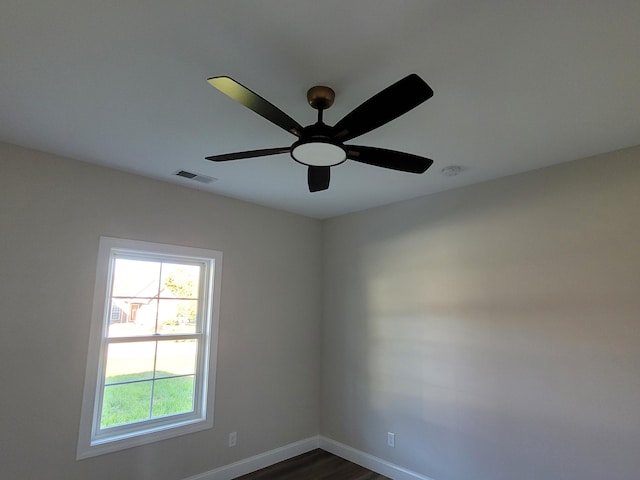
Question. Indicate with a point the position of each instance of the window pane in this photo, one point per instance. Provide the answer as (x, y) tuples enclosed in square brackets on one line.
[(131, 317), (135, 278), (126, 403), (181, 281), (176, 357), (172, 396), (177, 316), (130, 361)]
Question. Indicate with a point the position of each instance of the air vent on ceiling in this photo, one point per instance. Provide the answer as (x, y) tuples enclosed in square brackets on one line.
[(195, 176)]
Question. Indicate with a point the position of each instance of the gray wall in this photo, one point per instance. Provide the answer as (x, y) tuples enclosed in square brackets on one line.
[(495, 328), (52, 212)]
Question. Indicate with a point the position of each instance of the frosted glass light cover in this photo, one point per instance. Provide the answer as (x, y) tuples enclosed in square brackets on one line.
[(319, 154)]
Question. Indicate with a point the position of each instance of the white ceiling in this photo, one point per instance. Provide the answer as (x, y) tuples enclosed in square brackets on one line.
[(518, 86)]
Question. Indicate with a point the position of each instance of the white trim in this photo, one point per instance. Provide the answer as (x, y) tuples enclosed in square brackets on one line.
[(363, 459), (262, 460), (251, 464)]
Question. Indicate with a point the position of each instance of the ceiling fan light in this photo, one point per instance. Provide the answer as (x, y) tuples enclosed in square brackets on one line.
[(318, 154)]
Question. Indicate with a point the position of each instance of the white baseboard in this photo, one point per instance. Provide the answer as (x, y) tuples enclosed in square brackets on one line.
[(376, 464), (251, 464)]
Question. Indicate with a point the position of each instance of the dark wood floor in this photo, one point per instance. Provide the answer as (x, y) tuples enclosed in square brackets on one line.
[(314, 465)]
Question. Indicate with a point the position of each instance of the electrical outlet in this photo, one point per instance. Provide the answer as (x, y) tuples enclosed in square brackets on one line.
[(391, 439), (233, 439)]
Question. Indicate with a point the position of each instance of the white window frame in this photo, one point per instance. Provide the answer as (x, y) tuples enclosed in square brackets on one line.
[(92, 440)]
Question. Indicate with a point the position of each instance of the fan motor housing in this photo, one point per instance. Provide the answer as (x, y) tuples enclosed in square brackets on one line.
[(321, 97)]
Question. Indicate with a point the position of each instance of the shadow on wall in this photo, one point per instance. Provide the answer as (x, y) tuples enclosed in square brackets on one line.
[(494, 328)]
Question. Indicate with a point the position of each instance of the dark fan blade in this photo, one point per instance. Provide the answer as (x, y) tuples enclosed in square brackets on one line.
[(318, 178), (383, 107), (381, 157), (255, 102), (250, 154)]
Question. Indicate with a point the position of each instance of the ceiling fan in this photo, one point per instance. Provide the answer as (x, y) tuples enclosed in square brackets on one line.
[(320, 146)]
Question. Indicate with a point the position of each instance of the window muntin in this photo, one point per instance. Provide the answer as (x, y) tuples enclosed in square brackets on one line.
[(152, 360)]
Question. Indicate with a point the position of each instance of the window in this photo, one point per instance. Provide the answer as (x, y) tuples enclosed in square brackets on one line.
[(152, 352)]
